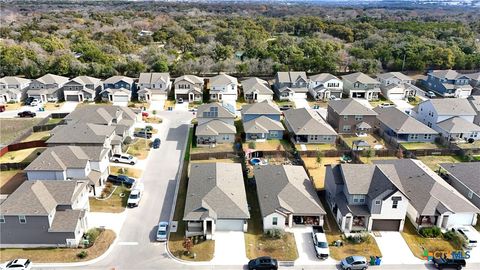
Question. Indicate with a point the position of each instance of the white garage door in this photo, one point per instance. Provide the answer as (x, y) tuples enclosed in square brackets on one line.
[(229, 225), (158, 97), (120, 98), (460, 219), (395, 96)]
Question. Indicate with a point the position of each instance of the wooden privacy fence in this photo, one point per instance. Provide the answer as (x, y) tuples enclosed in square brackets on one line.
[(21, 146)]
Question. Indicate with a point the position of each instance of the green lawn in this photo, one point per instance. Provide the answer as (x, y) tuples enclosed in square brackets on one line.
[(316, 146), (380, 100), (433, 161), (420, 145), (54, 121)]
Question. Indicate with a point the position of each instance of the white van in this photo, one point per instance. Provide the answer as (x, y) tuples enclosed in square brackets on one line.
[(469, 235)]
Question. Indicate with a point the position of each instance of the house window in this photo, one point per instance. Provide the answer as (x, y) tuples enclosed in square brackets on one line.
[(395, 200), (274, 221), (413, 136), (378, 202), (427, 136), (22, 219), (345, 117), (395, 205), (2, 219), (358, 117), (273, 133), (347, 128), (470, 194), (313, 137)]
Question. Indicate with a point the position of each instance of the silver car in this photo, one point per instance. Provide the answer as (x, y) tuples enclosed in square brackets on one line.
[(162, 231), (354, 263)]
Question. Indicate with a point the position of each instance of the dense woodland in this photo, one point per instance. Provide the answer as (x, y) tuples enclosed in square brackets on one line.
[(102, 39)]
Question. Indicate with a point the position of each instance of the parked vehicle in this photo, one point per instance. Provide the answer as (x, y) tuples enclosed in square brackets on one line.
[(387, 105), (430, 94), (445, 263), (121, 180), (162, 231), (18, 264), (134, 198), (28, 101), (470, 237), (27, 114), (285, 107), (262, 263), (320, 243), (124, 158), (156, 143), (334, 98), (2, 108), (144, 114), (354, 263), (35, 102), (180, 100), (142, 134)]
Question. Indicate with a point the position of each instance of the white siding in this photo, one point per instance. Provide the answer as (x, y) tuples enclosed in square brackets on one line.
[(46, 175), (268, 222)]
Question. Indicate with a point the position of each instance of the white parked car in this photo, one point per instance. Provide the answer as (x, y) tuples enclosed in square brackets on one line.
[(124, 158), (135, 195), (52, 99), (387, 105), (19, 264), (430, 94), (35, 102), (162, 231)]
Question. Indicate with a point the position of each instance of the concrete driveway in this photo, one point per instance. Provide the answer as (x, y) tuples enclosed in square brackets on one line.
[(121, 103), (394, 249), (229, 248), (301, 103), (475, 252), (402, 105), (68, 106), (306, 251), (157, 105), (181, 107)]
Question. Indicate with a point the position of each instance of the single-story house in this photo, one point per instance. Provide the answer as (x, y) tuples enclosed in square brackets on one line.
[(307, 126), (215, 131)]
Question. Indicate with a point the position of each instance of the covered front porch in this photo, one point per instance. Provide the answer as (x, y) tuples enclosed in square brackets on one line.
[(199, 228)]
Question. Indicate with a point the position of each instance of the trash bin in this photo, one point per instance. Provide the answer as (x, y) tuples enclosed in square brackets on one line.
[(372, 260), (378, 260)]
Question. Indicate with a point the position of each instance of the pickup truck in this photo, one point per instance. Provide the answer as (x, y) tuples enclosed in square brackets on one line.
[(121, 180), (320, 243), (143, 134), (446, 263), (135, 195)]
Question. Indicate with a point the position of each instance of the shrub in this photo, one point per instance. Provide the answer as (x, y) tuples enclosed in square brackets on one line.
[(359, 238), (274, 234), (148, 128), (252, 145), (128, 140), (457, 240), (92, 235), (82, 254), (430, 232)]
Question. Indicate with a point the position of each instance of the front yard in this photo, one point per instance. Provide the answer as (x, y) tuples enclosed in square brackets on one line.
[(25, 155), (317, 170), (11, 180), (51, 106), (421, 145), (116, 203), (433, 161), (10, 129), (152, 120), (139, 148), (130, 172), (60, 255), (13, 106), (269, 145)]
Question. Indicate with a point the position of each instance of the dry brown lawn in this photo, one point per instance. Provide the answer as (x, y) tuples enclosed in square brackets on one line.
[(35, 136), (317, 171), (152, 120), (11, 129), (371, 139), (203, 251), (368, 160), (433, 161), (130, 172), (50, 106), (221, 147), (13, 106), (223, 160), (25, 155), (60, 255), (316, 147), (169, 103), (139, 148), (11, 180), (270, 145)]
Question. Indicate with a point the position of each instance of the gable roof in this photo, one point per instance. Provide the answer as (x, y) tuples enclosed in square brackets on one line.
[(283, 188), (451, 106), (80, 133), (39, 198), (394, 74), (14, 80), (457, 125), (51, 79), (475, 102), (151, 77), (59, 158), (262, 124), (256, 84), (223, 79), (291, 76), (118, 91), (221, 112), (360, 77), (100, 114), (83, 80), (323, 77), (263, 107), (474, 76), (216, 190), (448, 74), (400, 122), (349, 106), (190, 78), (429, 194), (306, 122), (214, 128), (466, 172), (115, 79)]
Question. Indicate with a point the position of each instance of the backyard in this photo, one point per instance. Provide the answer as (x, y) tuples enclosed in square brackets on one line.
[(433, 161), (139, 148), (221, 147), (475, 144), (370, 160), (116, 203), (25, 155), (317, 170), (35, 136), (269, 145), (421, 145), (315, 147), (11, 129), (11, 180), (61, 255), (372, 139), (379, 101)]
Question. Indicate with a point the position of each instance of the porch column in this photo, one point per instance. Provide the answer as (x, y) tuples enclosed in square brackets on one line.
[(439, 221), (320, 220), (474, 221), (204, 227), (402, 223), (290, 221), (370, 223)]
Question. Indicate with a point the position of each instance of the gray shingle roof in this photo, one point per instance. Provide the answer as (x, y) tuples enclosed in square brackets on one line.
[(262, 124), (474, 76), (307, 122), (66, 221), (86, 80), (152, 77), (190, 78), (260, 108), (451, 106), (216, 190), (59, 158), (350, 106), (400, 122), (291, 76), (429, 194), (214, 128), (457, 125), (475, 102), (39, 198), (115, 79), (397, 75), (14, 80), (223, 79), (222, 112), (100, 114), (322, 77), (360, 77), (467, 173), (447, 74), (256, 84), (51, 79), (81, 133), (286, 188)]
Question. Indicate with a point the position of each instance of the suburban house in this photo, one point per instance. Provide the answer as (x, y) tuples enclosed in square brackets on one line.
[(118, 89), (323, 86), (82, 88), (475, 102), (350, 116), (86, 134), (449, 83), (287, 197), (189, 88), (464, 178), (401, 127), (306, 126), (396, 85), (256, 90), (262, 121), (366, 197), (474, 79), (88, 163), (215, 124), (433, 202), (216, 200), (360, 85), (13, 89), (154, 86), (223, 87), (452, 118), (44, 214), (47, 88), (291, 84)]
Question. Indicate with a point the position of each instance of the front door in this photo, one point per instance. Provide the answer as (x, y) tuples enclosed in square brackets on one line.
[(191, 97)]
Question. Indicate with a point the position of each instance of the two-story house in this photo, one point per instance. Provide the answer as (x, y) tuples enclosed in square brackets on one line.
[(464, 178), (154, 86), (350, 116), (452, 118), (324, 86), (44, 214), (474, 79), (118, 89), (291, 85), (449, 83), (261, 121), (307, 126), (256, 90), (82, 88), (89, 163), (215, 124), (47, 88), (360, 85), (433, 202), (366, 197), (287, 198), (13, 89), (396, 85), (189, 88), (475, 103), (223, 87)]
